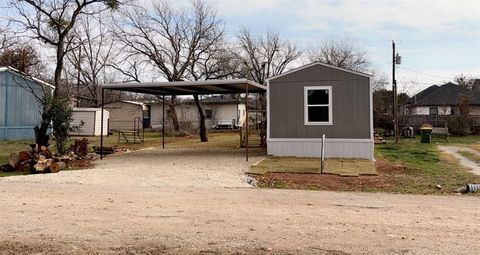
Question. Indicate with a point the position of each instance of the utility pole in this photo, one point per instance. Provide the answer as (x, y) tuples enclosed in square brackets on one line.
[(396, 60), (78, 77)]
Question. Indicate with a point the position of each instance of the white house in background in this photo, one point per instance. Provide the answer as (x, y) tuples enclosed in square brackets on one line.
[(221, 113), (88, 121)]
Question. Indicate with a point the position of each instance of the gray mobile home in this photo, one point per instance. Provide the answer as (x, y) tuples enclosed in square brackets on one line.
[(317, 99), (20, 110)]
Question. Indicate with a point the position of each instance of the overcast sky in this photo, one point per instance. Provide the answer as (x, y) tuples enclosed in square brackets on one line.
[(437, 39)]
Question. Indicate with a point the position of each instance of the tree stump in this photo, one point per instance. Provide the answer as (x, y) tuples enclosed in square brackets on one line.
[(24, 156), (55, 167)]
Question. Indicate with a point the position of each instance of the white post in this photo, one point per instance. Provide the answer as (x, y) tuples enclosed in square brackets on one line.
[(322, 155)]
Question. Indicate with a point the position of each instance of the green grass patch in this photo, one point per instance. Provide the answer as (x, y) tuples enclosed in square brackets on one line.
[(470, 155), (3, 174), (425, 168), (8, 147), (408, 167)]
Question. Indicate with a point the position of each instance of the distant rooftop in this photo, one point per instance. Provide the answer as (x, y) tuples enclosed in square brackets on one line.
[(446, 94), (216, 100)]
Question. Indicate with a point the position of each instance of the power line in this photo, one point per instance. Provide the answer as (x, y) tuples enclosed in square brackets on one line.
[(415, 71)]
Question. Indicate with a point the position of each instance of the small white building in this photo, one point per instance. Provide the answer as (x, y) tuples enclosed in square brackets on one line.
[(88, 121), (220, 112)]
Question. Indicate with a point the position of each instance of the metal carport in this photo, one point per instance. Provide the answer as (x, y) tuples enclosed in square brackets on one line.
[(231, 86)]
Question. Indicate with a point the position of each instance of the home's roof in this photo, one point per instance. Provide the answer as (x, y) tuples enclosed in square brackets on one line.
[(446, 94), (25, 76), (318, 63), (86, 109), (216, 100), (232, 86), (127, 102)]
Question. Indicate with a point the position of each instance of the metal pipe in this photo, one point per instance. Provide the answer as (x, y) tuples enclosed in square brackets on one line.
[(101, 125), (163, 122), (246, 126), (473, 188)]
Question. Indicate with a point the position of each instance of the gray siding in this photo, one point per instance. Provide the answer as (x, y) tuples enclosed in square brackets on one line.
[(350, 100), (19, 109)]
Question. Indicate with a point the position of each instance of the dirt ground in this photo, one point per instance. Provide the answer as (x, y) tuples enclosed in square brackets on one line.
[(385, 181), (195, 202)]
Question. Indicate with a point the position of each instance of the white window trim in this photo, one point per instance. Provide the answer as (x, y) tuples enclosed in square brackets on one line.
[(305, 109)]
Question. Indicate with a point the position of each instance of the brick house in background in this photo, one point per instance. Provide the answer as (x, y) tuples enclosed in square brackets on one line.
[(436, 104)]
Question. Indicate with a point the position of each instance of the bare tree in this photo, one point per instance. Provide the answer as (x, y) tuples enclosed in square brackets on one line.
[(169, 38), (6, 40), (130, 67), (379, 80), (213, 61), (264, 55), (51, 22), (465, 81), (90, 62), (341, 53), (22, 57)]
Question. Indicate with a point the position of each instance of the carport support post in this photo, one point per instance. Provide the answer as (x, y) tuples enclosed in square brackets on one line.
[(246, 123), (163, 121), (101, 125)]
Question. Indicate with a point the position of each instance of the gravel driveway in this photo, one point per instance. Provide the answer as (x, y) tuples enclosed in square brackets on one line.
[(156, 167), (194, 202)]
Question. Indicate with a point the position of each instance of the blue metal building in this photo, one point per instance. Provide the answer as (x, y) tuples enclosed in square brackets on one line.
[(20, 110)]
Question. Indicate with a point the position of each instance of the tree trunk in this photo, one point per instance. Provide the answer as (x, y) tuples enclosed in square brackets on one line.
[(41, 136), (58, 69), (202, 127), (173, 114), (263, 101)]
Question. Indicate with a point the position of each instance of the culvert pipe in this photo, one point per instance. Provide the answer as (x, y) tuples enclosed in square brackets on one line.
[(473, 188)]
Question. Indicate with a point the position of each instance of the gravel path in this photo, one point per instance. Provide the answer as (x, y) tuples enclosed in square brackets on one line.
[(470, 164), (156, 167), (193, 202)]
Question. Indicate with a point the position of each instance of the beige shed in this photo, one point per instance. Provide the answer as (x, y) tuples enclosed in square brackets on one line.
[(123, 114)]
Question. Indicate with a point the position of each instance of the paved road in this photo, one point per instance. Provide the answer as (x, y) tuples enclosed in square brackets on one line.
[(52, 214)]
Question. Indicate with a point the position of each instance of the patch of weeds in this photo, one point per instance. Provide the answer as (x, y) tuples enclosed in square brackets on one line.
[(470, 155), (6, 174), (312, 187), (279, 185)]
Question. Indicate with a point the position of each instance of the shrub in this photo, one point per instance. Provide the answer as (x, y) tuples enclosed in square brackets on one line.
[(60, 113)]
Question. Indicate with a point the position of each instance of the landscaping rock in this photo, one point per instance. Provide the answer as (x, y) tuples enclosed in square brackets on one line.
[(250, 180)]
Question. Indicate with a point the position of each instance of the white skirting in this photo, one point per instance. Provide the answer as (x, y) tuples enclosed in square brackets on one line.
[(334, 148)]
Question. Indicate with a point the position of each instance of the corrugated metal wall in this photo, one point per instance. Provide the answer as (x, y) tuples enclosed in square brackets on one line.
[(19, 108)]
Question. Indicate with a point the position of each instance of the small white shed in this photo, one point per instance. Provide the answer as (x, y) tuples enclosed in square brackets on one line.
[(91, 118)]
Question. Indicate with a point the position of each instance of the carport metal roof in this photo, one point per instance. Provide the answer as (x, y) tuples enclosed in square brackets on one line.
[(233, 86)]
